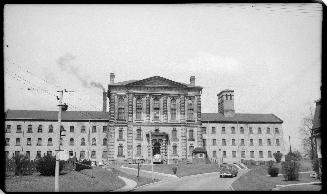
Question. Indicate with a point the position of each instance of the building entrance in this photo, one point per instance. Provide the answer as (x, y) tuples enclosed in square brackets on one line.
[(156, 148)]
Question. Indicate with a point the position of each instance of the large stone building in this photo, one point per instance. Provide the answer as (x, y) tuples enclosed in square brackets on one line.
[(168, 111)]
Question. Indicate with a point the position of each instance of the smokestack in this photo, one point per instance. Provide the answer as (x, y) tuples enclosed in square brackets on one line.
[(112, 78), (104, 108), (192, 80)]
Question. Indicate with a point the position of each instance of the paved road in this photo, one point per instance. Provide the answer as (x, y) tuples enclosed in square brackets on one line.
[(203, 182)]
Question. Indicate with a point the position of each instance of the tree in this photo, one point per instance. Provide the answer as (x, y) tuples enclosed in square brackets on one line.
[(278, 156), (295, 156), (308, 142)]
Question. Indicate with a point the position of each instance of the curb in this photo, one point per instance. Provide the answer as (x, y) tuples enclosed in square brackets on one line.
[(159, 173), (162, 181)]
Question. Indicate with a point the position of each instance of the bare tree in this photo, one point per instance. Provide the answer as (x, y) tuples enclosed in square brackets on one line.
[(308, 143)]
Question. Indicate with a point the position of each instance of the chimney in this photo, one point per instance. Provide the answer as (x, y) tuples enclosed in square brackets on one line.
[(112, 78), (104, 108), (192, 80)]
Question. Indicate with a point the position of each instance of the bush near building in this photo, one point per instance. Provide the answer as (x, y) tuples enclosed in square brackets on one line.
[(278, 156), (84, 164), (291, 170), (46, 165)]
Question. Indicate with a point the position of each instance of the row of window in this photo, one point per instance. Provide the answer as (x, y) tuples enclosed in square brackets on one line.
[(269, 154), (71, 142), (223, 142), (50, 129), (233, 131), (71, 154)]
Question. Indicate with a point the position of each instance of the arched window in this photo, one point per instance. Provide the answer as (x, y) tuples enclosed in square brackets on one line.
[(105, 141), (39, 129), (190, 135), (174, 134), (138, 108), (191, 148), (121, 108), (174, 149), (120, 150), (71, 141), (259, 130), (139, 134), (173, 109), (138, 150), (83, 141), (50, 128), (94, 143), (190, 109), (50, 142), (156, 108), (242, 130)]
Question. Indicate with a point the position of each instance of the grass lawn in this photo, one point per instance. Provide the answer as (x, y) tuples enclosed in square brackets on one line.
[(68, 182), (182, 169), (257, 180), (301, 188)]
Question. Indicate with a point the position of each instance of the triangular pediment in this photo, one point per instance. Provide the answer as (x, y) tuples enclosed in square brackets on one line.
[(157, 81)]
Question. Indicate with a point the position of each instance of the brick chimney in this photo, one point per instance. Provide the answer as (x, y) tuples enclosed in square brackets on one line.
[(192, 80), (112, 78), (104, 108)]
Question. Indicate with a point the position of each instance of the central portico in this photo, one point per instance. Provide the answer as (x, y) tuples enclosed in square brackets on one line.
[(170, 110)]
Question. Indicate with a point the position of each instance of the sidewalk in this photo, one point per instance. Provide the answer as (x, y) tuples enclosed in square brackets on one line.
[(278, 187), (129, 184), (145, 173)]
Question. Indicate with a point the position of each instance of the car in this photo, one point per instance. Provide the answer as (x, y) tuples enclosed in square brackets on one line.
[(228, 171), (157, 159)]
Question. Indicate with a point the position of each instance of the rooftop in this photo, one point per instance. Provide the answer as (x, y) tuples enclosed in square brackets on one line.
[(240, 117)]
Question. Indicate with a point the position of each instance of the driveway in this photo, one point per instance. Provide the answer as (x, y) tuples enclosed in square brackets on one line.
[(202, 182)]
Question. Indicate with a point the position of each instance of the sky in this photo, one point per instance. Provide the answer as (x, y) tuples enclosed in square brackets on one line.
[(269, 54)]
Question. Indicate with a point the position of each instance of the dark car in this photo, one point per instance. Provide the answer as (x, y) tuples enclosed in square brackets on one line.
[(228, 171)]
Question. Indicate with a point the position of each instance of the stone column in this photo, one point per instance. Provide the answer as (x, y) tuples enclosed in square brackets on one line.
[(165, 113), (130, 127), (182, 109), (198, 104), (111, 129), (183, 142), (147, 107)]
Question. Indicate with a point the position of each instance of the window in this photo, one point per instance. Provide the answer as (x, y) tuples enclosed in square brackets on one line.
[(260, 142), (94, 143), (121, 108), (28, 154), (277, 142), (83, 141), (269, 142), (242, 130), (29, 129), (214, 154), (49, 153), (214, 142), (50, 128), (252, 154), (17, 153), (82, 155), (38, 154), (242, 154), (190, 109), (138, 108), (138, 150), (17, 141), (105, 154), (259, 131), (61, 141), (233, 142), (29, 140), (49, 141), (191, 148), (204, 142), (104, 129), (250, 130), (260, 154), (224, 154), (268, 130), (71, 154), (213, 130), (94, 129), (8, 128), (105, 142), (93, 154), (7, 141), (139, 133), (156, 108), (174, 134), (234, 154), (201, 155), (83, 129), (190, 136), (173, 109), (120, 150), (233, 130), (223, 130), (120, 134), (204, 130), (242, 142), (71, 129), (251, 142), (71, 141), (39, 142), (39, 129), (174, 149), (224, 142), (276, 131), (19, 129), (269, 154)]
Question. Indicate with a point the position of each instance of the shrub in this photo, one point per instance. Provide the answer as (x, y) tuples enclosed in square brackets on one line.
[(278, 156), (47, 165), (270, 163), (85, 164), (291, 170), (273, 171), (174, 169), (21, 164), (295, 156)]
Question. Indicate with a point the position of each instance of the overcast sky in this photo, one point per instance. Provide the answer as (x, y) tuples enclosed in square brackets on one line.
[(270, 54)]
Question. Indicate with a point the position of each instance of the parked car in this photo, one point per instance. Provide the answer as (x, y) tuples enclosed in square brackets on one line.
[(228, 171), (157, 159)]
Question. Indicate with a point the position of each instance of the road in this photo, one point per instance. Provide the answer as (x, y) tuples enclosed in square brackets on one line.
[(202, 182)]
